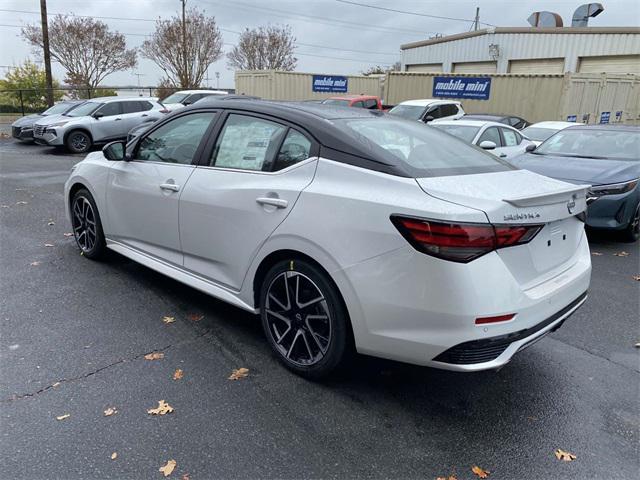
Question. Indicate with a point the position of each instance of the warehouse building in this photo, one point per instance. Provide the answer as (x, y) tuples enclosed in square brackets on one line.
[(614, 50)]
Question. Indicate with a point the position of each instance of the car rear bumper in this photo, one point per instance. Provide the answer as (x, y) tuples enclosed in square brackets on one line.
[(414, 308)]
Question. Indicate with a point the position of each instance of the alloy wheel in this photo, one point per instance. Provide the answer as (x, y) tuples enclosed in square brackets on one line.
[(84, 224), (79, 142), (298, 318)]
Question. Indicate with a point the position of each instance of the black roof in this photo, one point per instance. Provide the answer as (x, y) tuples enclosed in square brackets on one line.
[(319, 121)]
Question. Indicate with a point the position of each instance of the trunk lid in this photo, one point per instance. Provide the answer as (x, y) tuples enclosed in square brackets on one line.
[(523, 197)]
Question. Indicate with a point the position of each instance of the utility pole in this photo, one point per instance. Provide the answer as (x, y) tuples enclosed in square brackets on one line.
[(476, 22), (47, 53), (184, 43), (218, 80)]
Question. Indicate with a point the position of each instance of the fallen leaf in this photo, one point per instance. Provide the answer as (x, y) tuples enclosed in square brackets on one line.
[(154, 356), (62, 417), (480, 472), (596, 254), (177, 375), (621, 254), (114, 455), (450, 477), (163, 409), (195, 317), (565, 456), (168, 468), (35, 264), (185, 476), (68, 234), (239, 373), (22, 203), (636, 278), (51, 222), (110, 411), (55, 384), (48, 244), (168, 319)]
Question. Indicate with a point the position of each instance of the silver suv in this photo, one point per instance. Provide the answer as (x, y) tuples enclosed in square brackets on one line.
[(99, 120)]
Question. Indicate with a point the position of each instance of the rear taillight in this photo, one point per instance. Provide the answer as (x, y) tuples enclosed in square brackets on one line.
[(461, 242)]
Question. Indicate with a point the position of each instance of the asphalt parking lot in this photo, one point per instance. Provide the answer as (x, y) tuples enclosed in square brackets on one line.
[(74, 334)]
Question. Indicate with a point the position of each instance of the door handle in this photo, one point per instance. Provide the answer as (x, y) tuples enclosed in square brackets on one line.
[(274, 202), (503, 155), (144, 115), (117, 119), (170, 186)]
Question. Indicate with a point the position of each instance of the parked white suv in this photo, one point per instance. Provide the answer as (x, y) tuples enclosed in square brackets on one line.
[(99, 120), (428, 109), (188, 97)]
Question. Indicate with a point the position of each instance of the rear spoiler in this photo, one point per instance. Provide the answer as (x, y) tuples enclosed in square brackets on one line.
[(557, 196)]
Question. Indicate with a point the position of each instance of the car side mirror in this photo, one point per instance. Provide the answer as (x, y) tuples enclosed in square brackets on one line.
[(530, 148), (487, 145), (186, 103), (115, 151), (428, 119), (98, 115)]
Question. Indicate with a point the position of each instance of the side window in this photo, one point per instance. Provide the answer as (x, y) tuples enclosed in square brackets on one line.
[(176, 141), (511, 138), (296, 148), (194, 98), (131, 107), (492, 135), (247, 143), (449, 110), (435, 112), (110, 109), (359, 104), (371, 104), (144, 105)]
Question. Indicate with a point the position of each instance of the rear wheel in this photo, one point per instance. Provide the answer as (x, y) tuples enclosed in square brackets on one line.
[(632, 233), (304, 318), (78, 141), (87, 228)]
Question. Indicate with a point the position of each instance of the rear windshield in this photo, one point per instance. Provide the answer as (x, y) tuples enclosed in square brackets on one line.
[(538, 134), (412, 112), (423, 150), (463, 132), (83, 109), (335, 101), (175, 98), (593, 143)]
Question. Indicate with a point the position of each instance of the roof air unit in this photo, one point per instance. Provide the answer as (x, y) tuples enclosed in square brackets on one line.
[(545, 19), (584, 12)]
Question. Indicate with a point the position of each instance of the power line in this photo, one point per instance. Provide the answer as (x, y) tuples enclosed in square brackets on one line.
[(418, 14)]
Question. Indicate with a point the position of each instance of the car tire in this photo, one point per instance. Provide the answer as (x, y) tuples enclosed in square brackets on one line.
[(311, 334), (87, 227), (78, 141), (632, 233)]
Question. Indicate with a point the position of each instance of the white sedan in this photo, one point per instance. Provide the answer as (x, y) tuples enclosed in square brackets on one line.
[(502, 140), (343, 229), (539, 132)]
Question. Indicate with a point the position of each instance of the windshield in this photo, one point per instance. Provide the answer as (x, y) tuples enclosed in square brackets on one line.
[(57, 108), (538, 134), (463, 132), (425, 151), (335, 101), (175, 98), (412, 112), (83, 109), (593, 143)]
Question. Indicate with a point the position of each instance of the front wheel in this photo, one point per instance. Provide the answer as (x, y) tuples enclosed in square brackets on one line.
[(78, 141), (304, 318), (632, 233), (87, 228)]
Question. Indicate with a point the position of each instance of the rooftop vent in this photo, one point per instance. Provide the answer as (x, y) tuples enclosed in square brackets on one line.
[(584, 12), (545, 19)]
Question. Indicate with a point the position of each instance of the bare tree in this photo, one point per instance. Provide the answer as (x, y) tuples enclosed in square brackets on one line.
[(378, 70), (85, 47), (264, 48), (185, 64)]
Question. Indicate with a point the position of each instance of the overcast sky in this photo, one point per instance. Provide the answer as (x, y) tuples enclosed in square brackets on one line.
[(326, 27)]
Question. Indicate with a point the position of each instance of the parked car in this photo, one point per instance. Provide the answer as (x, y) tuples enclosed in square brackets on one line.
[(428, 109), (97, 121), (187, 97), (22, 129), (370, 102), (605, 156), (539, 132), (143, 127), (497, 138), (511, 120), (342, 228)]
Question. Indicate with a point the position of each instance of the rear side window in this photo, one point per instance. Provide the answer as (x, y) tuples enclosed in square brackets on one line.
[(423, 151), (144, 105), (358, 104), (492, 135), (131, 107), (247, 143), (295, 148), (511, 138)]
